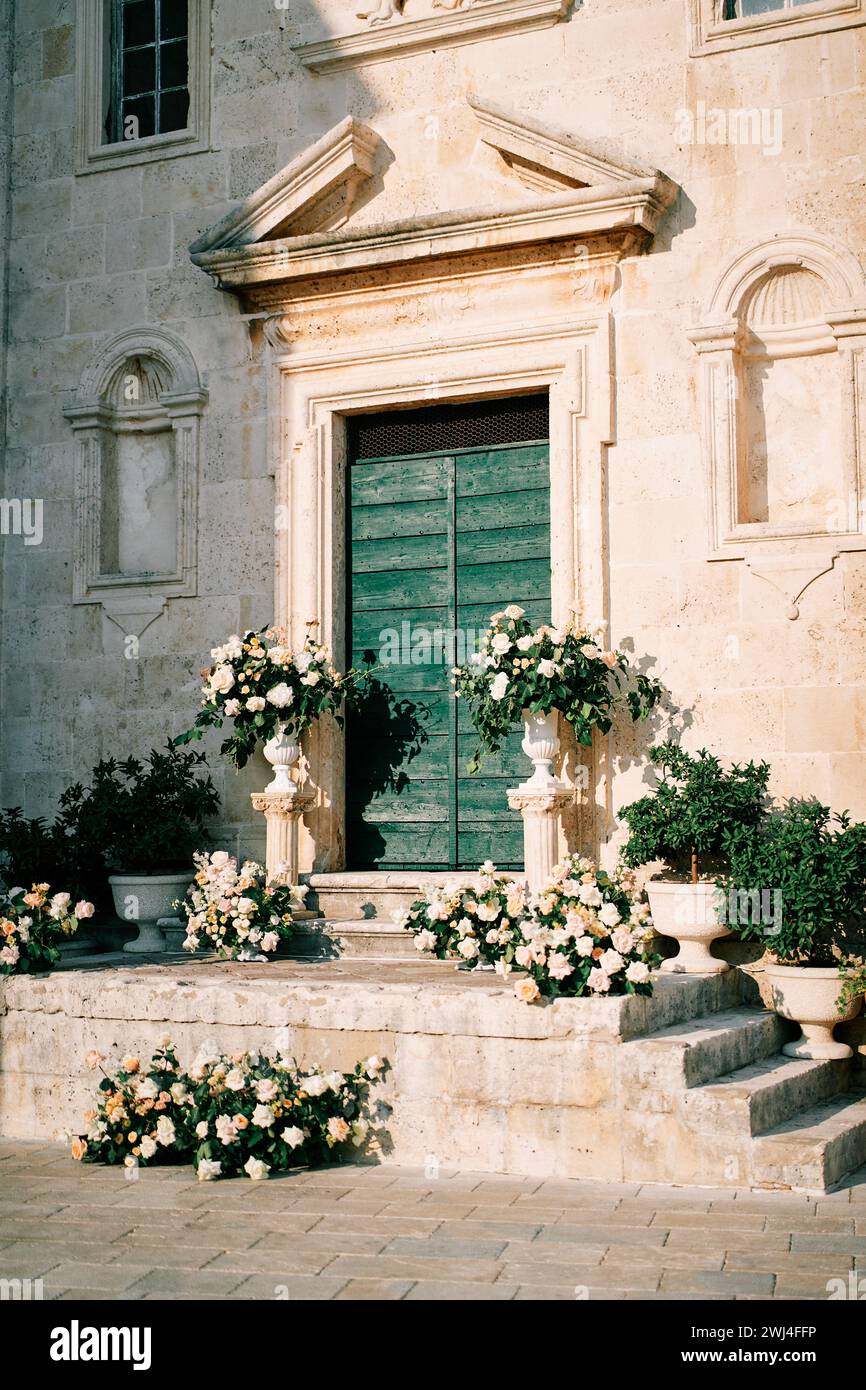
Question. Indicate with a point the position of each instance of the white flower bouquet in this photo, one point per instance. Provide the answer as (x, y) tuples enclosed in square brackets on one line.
[(478, 924), (259, 683), (520, 668), (589, 935), (33, 924), (233, 910), (257, 1116)]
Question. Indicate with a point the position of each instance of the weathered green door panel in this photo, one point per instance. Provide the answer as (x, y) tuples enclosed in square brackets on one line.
[(437, 543)]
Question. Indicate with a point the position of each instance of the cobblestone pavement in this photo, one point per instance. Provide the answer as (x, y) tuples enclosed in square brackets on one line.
[(392, 1233)]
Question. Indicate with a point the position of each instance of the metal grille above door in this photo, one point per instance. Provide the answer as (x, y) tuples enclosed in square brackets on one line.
[(437, 541)]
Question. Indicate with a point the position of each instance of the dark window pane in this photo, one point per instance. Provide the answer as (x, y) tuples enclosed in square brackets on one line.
[(174, 19), (139, 71), (753, 7), (141, 109), (173, 110), (138, 22), (173, 70)]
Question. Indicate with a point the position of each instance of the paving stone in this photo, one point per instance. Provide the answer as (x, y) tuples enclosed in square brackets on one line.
[(579, 1276), (388, 1266), (781, 1262), (165, 1256), (436, 1211), (441, 1248), (456, 1293), (479, 1229), (603, 1235), (299, 1287), (109, 1276), (327, 1242), (821, 1242), (557, 1292), (199, 1283), (276, 1262), (392, 1226), (647, 1257), (381, 1290), (688, 1282), (711, 1220)]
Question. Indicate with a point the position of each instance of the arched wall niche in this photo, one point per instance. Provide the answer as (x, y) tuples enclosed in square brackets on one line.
[(136, 419), (782, 387)]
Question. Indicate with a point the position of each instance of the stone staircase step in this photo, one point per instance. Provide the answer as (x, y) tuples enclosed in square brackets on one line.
[(814, 1149), (351, 896), (758, 1097), (368, 937), (654, 1068)]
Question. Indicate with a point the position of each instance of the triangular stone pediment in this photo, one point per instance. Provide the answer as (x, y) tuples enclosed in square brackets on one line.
[(319, 185), (330, 210)]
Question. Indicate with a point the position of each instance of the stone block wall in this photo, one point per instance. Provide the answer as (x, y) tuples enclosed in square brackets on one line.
[(92, 253)]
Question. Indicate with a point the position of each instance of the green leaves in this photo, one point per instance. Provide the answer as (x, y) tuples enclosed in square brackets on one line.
[(694, 806)]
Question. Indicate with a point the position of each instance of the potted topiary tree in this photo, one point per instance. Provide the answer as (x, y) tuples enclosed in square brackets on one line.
[(148, 819), (799, 882), (684, 823)]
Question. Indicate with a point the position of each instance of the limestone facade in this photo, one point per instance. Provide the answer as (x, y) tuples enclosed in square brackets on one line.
[(662, 228)]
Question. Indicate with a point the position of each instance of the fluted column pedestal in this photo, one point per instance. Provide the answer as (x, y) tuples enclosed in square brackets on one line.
[(282, 811), (541, 809)]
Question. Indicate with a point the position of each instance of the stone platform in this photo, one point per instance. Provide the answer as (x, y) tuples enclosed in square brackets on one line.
[(688, 1086)]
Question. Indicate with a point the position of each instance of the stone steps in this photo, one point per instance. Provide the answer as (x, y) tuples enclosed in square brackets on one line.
[(367, 938), (756, 1098), (815, 1148), (699, 1050)]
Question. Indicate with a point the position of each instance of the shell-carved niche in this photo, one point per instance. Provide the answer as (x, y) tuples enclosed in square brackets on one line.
[(136, 420), (783, 391)]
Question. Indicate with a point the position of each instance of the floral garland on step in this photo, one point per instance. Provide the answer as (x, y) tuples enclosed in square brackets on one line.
[(233, 910), (258, 1116), (226, 1115), (589, 936), (259, 683), (477, 924), (32, 926), (542, 669)]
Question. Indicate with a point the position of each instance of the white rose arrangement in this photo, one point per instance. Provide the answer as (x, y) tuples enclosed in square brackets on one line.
[(143, 1115), (233, 910), (477, 924), (260, 684), (540, 669)]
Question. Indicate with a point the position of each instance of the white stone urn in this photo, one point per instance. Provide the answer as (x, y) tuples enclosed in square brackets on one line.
[(541, 746), (688, 912), (282, 752), (808, 995), (141, 899)]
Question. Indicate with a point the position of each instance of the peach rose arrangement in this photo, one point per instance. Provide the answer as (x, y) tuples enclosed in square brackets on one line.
[(33, 923), (226, 1115), (143, 1115), (589, 935), (478, 924)]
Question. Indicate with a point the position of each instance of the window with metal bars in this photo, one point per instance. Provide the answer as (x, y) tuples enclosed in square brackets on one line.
[(149, 68)]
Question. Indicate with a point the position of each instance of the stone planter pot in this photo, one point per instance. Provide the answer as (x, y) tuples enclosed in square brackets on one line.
[(688, 912), (141, 899), (808, 995), (282, 752), (541, 746)]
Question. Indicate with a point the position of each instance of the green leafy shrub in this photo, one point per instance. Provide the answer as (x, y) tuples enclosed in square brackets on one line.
[(686, 819), (32, 851), (144, 817), (812, 864)]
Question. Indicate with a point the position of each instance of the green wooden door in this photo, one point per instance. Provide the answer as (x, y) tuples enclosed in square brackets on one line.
[(437, 543)]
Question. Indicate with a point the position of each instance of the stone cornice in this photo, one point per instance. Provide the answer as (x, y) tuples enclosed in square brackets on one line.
[(630, 209), (380, 43)]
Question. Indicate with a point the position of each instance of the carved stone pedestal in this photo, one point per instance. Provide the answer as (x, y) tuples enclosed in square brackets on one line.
[(282, 811), (541, 808)]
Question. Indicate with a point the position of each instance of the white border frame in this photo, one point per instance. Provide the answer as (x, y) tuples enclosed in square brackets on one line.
[(710, 35)]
